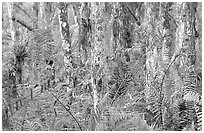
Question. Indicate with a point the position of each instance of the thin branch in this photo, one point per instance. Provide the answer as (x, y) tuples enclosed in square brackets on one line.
[(53, 16), (138, 23), (66, 109), (22, 23), (23, 10), (127, 75), (160, 93), (174, 58), (20, 125), (19, 99)]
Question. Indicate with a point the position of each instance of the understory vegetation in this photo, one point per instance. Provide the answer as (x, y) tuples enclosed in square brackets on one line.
[(101, 66)]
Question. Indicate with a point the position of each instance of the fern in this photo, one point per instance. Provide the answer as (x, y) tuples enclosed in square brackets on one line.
[(120, 80), (182, 113), (193, 96), (41, 46), (120, 121), (62, 124), (41, 43), (48, 50), (34, 126), (20, 53), (198, 124)]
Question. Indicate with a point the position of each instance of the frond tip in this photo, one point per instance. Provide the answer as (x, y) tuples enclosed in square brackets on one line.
[(193, 96)]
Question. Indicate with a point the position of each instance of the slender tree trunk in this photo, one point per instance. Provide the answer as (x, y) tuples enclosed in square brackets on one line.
[(175, 70), (65, 35), (48, 12), (42, 16), (93, 54), (149, 53), (36, 11), (111, 40), (153, 91), (12, 29)]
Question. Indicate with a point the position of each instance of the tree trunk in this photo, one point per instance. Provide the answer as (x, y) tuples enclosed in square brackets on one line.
[(42, 16), (65, 35), (154, 71), (48, 12), (12, 29), (36, 11)]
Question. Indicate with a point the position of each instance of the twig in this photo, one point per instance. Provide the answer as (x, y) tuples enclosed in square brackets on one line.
[(22, 10), (66, 110), (127, 75), (22, 23), (138, 23), (12, 103), (53, 15), (20, 124), (176, 56), (160, 93)]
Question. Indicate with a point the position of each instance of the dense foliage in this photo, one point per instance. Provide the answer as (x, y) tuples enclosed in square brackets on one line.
[(101, 66)]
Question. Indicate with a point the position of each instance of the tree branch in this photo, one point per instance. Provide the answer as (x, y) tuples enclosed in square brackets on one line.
[(138, 23), (66, 109), (22, 23), (22, 10), (53, 15), (172, 61)]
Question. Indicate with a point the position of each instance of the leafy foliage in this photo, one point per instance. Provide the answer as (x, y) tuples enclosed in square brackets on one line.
[(102, 66), (120, 80)]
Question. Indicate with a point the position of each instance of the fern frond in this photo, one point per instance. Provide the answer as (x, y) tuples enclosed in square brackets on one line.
[(193, 96), (117, 120), (34, 126), (121, 80), (198, 124), (20, 52), (60, 124)]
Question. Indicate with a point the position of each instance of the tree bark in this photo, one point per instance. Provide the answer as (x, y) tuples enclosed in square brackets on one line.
[(154, 71), (42, 16), (36, 11), (12, 29), (65, 35)]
